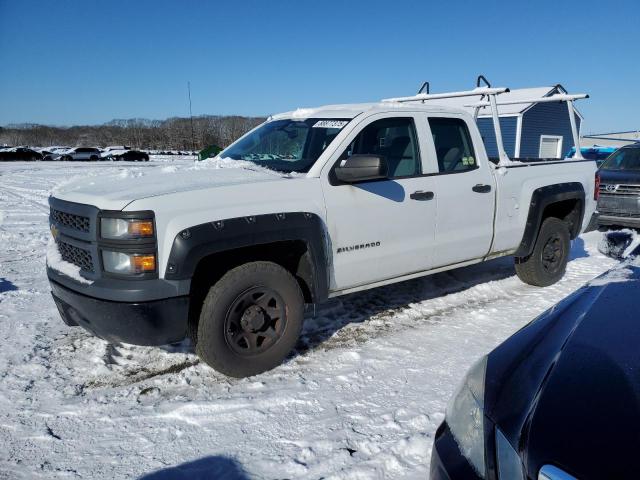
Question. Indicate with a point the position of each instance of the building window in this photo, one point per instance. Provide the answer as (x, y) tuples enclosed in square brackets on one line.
[(550, 146)]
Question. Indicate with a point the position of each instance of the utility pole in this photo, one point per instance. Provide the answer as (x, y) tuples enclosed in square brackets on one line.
[(193, 141)]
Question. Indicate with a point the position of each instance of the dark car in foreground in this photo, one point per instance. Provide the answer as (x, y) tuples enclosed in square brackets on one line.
[(19, 154), (560, 399), (619, 200)]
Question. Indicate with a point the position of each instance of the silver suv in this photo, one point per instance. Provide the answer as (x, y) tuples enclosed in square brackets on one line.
[(80, 153)]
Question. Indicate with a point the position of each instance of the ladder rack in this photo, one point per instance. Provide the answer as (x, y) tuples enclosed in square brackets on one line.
[(491, 93)]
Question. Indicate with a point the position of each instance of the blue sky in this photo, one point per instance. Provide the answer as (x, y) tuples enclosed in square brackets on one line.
[(74, 62)]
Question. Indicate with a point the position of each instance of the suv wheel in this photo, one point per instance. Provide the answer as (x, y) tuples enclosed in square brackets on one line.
[(548, 261), (250, 319)]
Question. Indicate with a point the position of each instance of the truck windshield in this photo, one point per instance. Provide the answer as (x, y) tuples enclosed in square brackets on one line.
[(623, 159), (287, 145)]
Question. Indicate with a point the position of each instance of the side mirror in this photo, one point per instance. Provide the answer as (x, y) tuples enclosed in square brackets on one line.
[(362, 168), (618, 245)]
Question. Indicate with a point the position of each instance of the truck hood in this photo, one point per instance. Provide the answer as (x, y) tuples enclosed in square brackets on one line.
[(116, 191)]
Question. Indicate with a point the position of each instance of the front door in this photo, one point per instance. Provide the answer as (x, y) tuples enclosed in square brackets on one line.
[(381, 229)]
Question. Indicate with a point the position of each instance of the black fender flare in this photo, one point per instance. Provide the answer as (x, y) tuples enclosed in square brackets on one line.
[(193, 244), (541, 198)]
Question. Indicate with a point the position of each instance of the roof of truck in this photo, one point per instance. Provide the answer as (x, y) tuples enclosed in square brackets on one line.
[(351, 110)]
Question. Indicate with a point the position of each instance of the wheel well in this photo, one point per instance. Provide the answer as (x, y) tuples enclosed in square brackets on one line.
[(569, 211), (293, 255)]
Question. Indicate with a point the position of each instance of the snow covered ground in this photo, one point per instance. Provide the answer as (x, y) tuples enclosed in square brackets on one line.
[(361, 398)]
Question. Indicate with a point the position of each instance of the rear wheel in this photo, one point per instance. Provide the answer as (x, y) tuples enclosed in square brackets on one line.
[(548, 261), (250, 319)]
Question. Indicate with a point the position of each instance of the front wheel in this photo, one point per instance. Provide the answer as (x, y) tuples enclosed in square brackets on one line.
[(548, 261), (250, 319)]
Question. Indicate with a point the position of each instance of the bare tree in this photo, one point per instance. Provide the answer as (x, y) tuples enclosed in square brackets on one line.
[(170, 134)]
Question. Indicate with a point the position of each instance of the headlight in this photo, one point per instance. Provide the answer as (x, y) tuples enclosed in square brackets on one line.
[(465, 416), (128, 263), (126, 228)]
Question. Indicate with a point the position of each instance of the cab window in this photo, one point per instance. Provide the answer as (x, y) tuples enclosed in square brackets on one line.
[(454, 148), (393, 138)]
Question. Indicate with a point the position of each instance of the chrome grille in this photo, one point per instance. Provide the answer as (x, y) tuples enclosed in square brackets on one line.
[(78, 256), (76, 222), (619, 189)]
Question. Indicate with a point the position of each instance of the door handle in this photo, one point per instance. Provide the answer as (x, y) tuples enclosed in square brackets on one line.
[(481, 188), (421, 195)]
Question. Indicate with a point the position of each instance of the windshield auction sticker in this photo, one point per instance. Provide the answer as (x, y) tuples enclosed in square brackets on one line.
[(330, 124)]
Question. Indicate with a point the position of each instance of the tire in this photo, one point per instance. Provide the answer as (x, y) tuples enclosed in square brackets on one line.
[(548, 261), (250, 320)]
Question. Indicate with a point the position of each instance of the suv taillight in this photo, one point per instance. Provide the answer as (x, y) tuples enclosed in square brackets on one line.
[(596, 188)]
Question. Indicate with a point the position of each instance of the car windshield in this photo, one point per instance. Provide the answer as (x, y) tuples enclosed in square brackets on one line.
[(287, 145), (623, 159)]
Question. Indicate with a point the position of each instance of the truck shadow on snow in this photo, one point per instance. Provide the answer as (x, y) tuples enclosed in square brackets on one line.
[(206, 468), (577, 249), (384, 304), (7, 286)]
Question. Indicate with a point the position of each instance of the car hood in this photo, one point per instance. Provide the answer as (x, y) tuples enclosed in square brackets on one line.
[(587, 416), (620, 176), (566, 389), (116, 191)]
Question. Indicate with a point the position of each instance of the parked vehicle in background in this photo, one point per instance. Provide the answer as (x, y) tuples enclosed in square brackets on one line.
[(78, 153), (209, 152), (323, 202), (106, 151), (595, 152), (560, 399), (52, 153), (19, 154), (125, 154), (619, 201)]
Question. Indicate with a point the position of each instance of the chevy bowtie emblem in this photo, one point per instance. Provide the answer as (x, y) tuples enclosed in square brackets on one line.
[(54, 232)]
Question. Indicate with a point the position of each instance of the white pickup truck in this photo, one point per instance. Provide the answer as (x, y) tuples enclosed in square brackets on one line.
[(326, 201)]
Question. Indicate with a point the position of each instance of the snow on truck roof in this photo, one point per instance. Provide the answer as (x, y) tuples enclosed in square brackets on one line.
[(351, 110)]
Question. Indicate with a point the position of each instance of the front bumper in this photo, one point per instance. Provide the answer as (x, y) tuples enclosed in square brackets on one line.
[(155, 322), (447, 462), (619, 221)]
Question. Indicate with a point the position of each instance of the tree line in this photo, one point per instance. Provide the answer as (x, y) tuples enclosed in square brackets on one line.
[(171, 134)]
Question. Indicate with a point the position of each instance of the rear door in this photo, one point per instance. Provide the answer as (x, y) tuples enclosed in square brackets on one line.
[(381, 229), (464, 191)]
